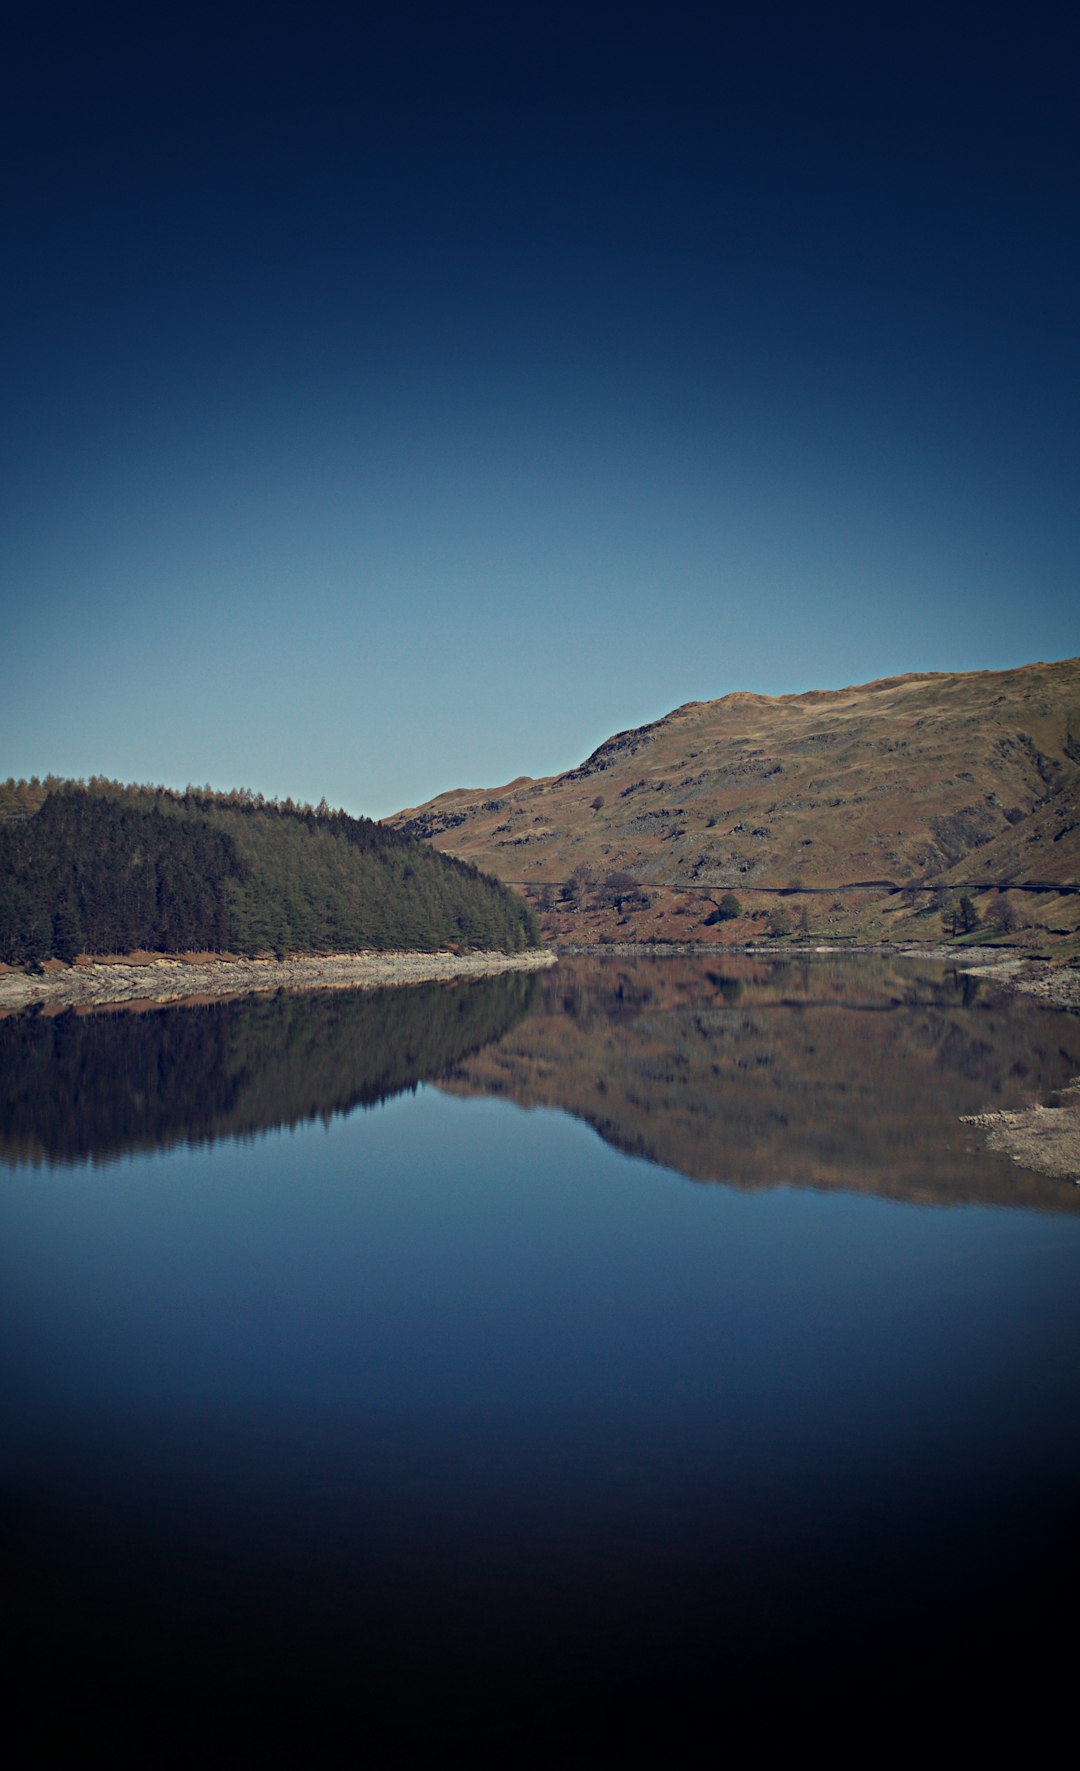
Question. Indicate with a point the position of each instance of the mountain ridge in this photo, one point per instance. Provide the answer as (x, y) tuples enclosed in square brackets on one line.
[(913, 779)]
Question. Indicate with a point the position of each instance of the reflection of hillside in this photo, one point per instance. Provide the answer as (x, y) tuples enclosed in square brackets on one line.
[(851, 1074), (79, 1088)]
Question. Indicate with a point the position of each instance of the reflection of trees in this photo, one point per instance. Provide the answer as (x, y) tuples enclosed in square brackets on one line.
[(91, 1087)]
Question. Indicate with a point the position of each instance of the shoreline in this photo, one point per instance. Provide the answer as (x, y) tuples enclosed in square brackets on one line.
[(1043, 1138), (152, 979)]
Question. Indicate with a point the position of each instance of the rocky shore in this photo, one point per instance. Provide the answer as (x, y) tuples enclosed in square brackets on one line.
[(1043, 1138), (154, 978), (1046, 1139)]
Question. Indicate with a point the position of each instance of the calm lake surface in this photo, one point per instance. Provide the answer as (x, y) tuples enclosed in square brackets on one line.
[(538, 1365)]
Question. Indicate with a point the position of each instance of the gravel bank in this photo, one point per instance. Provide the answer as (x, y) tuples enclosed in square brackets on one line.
[(156, 979), (1056, 985), (1046, 1139)]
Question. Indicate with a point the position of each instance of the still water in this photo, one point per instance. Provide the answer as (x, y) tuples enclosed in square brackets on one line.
[(537, 1366)]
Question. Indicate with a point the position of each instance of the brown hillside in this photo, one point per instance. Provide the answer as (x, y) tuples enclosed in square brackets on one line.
[(916, 780)]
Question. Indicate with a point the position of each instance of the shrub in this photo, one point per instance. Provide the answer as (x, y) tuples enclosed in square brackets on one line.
[(726, 911)]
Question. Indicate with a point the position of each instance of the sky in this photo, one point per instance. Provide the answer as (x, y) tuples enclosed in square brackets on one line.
[(398, 398)]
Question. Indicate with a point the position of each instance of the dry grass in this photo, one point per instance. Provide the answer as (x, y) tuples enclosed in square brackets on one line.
[(946, 777)]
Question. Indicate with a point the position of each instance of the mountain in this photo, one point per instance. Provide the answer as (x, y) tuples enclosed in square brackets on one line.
[(937, 783), (103, 868)]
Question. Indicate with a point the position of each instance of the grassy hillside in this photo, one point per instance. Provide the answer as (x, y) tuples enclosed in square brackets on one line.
[(937, 781), (106, 869)]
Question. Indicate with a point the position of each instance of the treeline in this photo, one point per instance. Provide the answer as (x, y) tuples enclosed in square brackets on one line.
[(81, 1088), (102, 868)]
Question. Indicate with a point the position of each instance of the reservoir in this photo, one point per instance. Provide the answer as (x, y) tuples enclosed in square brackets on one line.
[(542, 1366)]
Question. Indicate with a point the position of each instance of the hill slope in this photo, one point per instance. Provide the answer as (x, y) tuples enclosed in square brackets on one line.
[(107, 868), (923, 779)]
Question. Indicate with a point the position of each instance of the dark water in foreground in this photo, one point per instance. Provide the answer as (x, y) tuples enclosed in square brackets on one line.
[(422, 1421)]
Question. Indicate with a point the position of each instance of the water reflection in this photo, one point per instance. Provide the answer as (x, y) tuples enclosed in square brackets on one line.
[(81, 1087), (451, 1428), (849, 1074), (829, 1073)]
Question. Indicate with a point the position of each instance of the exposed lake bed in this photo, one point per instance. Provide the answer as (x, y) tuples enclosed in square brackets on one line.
[(374, 1376), (156, 978)]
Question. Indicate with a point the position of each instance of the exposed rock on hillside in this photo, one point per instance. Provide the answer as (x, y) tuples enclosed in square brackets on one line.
[(948, 781)]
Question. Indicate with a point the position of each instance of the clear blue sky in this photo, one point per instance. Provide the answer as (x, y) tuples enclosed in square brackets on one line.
[(405, 398)]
